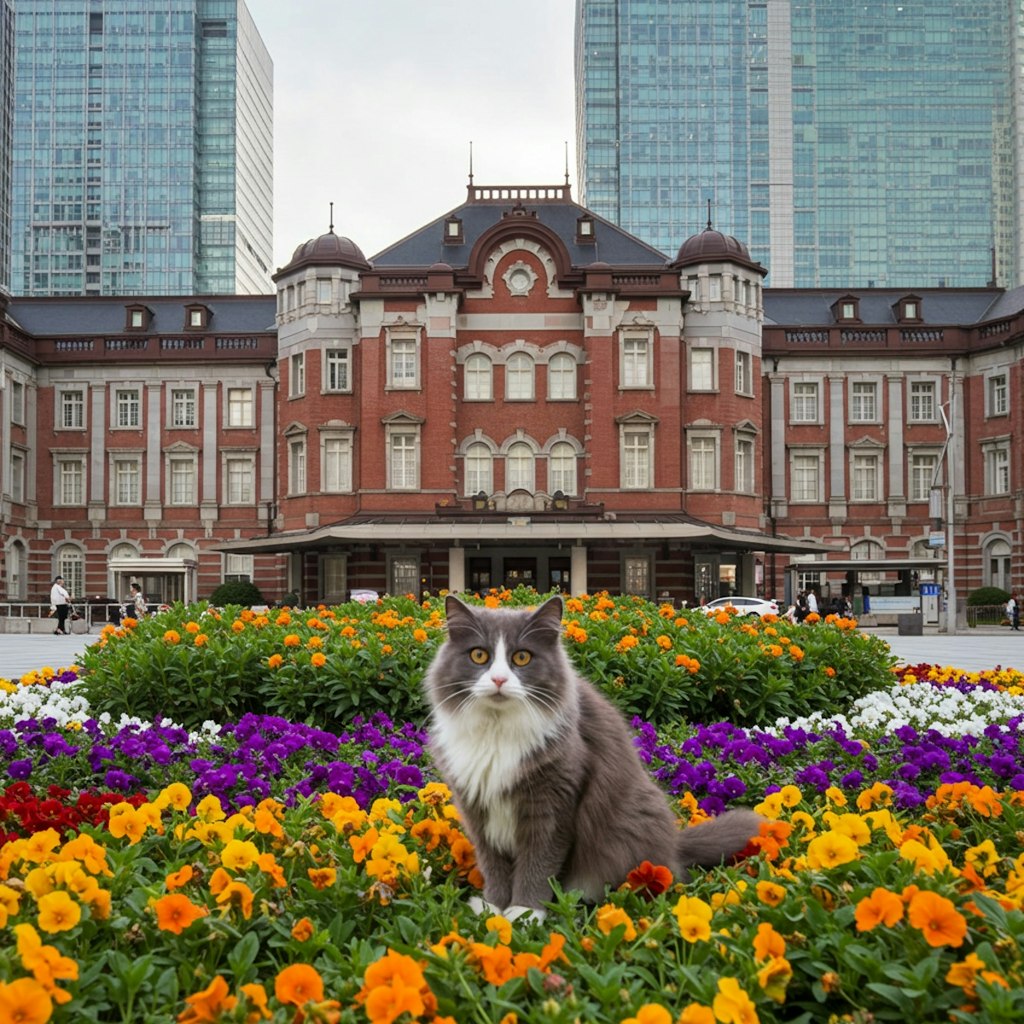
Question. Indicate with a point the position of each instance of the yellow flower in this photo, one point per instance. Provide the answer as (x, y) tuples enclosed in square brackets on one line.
[(774, 977), (58, 912), (502, 926), (831, 849), (26, 1001), (239, 855), (770, 893), (732, 1005), (609, 918), (650, 1013)]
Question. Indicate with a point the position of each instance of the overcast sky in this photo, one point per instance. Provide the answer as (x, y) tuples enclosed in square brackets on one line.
[(375, 104)]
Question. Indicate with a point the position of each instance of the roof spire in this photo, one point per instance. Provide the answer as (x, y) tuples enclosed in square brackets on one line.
[(567, 161), (330, 227), (470, 161), (709, 214)]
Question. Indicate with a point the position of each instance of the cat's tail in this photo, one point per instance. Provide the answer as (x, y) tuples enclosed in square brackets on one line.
[(710, 842)]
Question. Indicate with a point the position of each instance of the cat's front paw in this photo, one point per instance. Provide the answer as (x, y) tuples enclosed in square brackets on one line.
[(514, 912), (480, 906)]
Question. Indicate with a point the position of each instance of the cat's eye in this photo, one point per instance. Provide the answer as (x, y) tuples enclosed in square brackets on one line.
[(521, 658), (479, 656)]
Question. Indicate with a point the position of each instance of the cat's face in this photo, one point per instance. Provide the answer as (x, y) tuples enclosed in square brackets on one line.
[(500, 658)]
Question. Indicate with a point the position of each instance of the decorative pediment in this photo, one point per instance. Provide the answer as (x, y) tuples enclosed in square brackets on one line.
[(403, 417), (637, 416)]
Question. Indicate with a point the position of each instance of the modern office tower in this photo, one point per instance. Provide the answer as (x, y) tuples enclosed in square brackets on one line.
[(6, 112), (848, 145), (143, 149)]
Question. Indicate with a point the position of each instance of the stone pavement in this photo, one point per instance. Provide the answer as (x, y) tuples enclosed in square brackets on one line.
[(974, 650)]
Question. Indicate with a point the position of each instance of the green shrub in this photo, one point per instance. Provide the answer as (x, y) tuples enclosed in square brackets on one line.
[(987, 596), (236, 592), (322, 666)]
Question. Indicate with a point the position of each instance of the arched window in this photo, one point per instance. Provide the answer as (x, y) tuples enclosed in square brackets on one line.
[(16, 561), (519, 468), (477, 377), (123, 550), (181, 550), (562, 469), (561, 377), (71, 565), (479, 469), (519, 377), (867, 550), (996, 570)]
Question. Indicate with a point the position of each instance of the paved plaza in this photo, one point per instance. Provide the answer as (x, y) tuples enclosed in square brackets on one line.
[(973, 650)]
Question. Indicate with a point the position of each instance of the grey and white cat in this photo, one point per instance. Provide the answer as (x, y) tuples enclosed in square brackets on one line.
[(543, 769)]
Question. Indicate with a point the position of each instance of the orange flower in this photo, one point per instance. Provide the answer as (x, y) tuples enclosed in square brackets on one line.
[(237, 894), (768, 943), (650, 1013), (25, 1001), (302, 930), (178, 879), (419, 635), (274, 661), (172, 636), (209, 1004), (609, 918), (299, 984), (322, 878), (291, 640), (881, 907), (318, 659), (937, 919), (200, 639), (176, 912), (770, 893)]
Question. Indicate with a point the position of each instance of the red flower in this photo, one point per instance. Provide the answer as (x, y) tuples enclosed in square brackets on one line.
[(649, 879)]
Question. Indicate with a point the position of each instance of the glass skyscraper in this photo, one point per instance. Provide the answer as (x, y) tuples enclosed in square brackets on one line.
[(143, 149), (848, 145), (6, 111)]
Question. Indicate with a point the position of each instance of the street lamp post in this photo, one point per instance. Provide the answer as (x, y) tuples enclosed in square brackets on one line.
[(949, 423)]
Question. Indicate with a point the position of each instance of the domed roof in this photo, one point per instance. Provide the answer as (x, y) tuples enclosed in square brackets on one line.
[(711, 246), (329, 250)]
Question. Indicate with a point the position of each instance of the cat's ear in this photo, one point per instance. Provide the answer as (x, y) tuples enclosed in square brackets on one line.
[(550, 613), (457, 612)]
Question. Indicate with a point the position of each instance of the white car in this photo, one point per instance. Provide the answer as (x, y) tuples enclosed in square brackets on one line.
[(743, 605)]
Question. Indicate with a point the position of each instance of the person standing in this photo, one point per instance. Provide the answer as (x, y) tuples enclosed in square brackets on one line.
[(812, 603), (1013, 612), (60, 603), (139, 601)]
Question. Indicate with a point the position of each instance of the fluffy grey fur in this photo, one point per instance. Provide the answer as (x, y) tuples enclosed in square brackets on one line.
[(543, 768)]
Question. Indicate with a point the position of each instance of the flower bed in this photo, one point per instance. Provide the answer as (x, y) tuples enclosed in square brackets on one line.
[(265, 870)]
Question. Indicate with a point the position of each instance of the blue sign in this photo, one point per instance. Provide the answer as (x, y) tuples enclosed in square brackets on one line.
[(930, 589)]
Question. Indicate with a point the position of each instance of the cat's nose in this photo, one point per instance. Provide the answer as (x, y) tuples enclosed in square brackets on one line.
[(499, 681)]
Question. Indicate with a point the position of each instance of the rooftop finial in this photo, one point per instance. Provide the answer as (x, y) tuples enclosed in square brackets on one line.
[(567, 161), (471, 161), (709, 214), (331, 225)]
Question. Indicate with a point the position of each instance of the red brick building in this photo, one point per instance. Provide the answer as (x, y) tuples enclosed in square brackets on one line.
[(518, 391)]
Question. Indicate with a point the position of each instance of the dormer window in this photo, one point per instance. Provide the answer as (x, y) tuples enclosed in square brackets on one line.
[(846, 309), (585, 228), (908, 309), (453, 231), (197, 317), (138, 318)]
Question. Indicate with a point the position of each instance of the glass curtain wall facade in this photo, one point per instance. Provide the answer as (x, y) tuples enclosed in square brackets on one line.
[(6, 140), (129, 177), (846, 151)]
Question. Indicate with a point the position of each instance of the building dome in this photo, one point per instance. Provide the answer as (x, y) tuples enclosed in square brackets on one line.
[(712, 246), (329, 250)]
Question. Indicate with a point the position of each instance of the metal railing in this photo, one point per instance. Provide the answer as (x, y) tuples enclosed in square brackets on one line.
[(34, 616), (986, 615)]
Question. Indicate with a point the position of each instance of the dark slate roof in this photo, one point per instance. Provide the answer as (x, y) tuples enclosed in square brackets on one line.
[(426, 246), (794, 307), (95, 315)]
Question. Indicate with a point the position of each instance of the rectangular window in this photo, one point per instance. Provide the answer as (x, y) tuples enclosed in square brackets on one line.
[(238, 473), (744, 466), (561, 377), (17, 478), (337, 464), (744, 373), (477, 377), (297, 467), (703, 463), (297, 375), (323, 291), (863, 402), (183, 481), (636, 363), (997, 470), (17, 402), (183, 407), (72, 410), (240, 407), (806, 478), (805, 402), (922, 472), (334, 570), (636, 575), (997, 395), (336, 370), (922, 401), (402, 368), (636, 458), (403, 465), (127, 408), (864, 473), (127, 482), (702, 369), (405, 576), (71, 482), (519, 377), (238, 568)]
